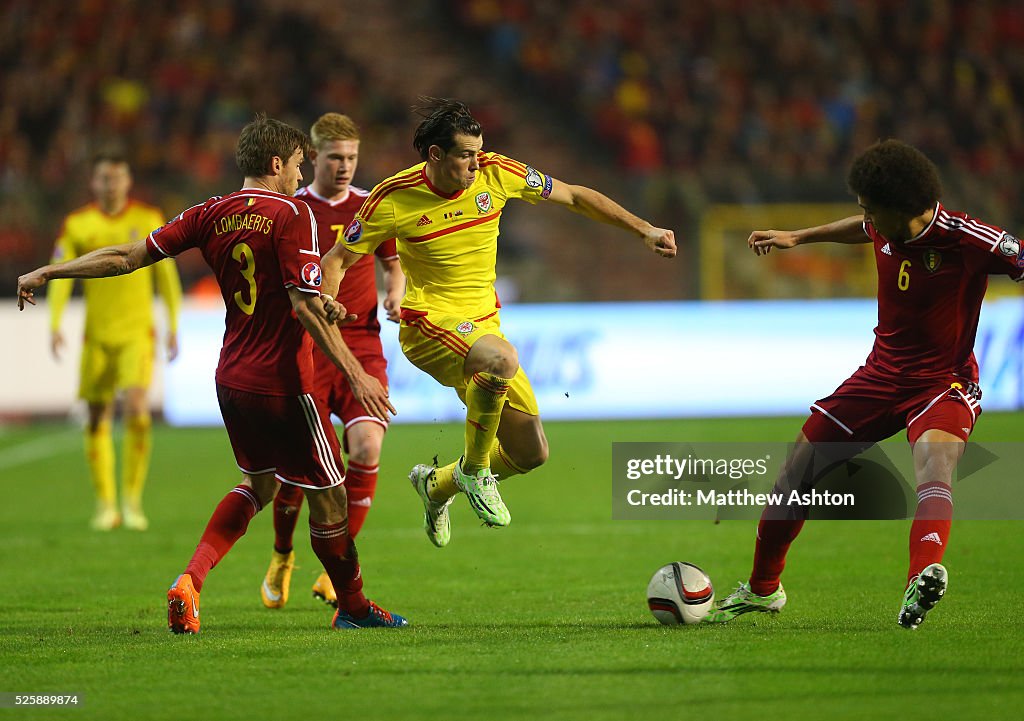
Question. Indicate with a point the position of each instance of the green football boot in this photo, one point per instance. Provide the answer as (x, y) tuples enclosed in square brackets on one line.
[(435, 514), (923, 592), (743, 600), (482, 491)]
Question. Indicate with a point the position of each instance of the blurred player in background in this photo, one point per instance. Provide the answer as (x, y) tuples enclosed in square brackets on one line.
[(262, 245), (444, 213), (921, 375), (118, 350), (334, 202)]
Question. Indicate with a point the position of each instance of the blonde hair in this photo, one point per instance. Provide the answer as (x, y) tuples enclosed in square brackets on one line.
[(333, 126)]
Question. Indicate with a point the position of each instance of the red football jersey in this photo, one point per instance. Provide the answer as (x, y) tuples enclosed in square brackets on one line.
[(358, 290), (259, 244), (930, 290)]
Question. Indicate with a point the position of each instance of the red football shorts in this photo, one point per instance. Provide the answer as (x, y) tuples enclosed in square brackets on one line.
[(871, 406), (333, 390), (290, 436)]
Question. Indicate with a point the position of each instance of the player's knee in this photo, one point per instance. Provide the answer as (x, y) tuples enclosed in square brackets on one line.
[(493, 355), (534, 458), (364, 452)]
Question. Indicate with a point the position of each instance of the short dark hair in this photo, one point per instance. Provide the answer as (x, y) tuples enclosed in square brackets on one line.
[(109, 154), (895, 176), (443, 119), (263, 139)]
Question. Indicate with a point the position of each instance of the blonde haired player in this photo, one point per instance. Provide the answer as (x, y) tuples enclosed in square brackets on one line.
[(444, 213), (119, 336), (334, 202)]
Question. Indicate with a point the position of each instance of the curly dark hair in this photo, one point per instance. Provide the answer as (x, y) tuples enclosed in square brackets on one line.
[(896, 176), (263, 139), (443, 119)]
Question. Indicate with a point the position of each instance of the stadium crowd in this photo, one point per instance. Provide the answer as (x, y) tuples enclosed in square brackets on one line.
[(696, 103), (749, 101)]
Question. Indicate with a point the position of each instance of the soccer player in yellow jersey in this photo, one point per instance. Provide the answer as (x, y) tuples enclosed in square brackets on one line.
[(444, 213), (119, 338)]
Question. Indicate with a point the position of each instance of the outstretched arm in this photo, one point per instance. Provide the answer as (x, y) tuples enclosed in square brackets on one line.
[(310, 311), (102, 263), (593, 204), (847, 230)]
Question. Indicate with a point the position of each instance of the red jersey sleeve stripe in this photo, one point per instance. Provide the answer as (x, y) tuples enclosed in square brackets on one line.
[(454, 228)]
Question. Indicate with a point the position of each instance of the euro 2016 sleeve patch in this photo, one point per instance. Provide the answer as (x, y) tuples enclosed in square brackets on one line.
[(354, 231), (536, 179), (1010, 246), (312, 275)]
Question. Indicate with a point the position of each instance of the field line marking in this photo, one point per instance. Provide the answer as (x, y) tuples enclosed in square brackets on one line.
[(37, 449)]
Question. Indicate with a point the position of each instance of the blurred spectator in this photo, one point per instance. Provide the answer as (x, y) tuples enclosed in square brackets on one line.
[(690, 102), (762, 101)]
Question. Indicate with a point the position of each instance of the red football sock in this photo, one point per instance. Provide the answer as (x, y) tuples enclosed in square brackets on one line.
[(336, 551), (360, 484), (287, 503), (929, 533), (773, 540), (227, 525)]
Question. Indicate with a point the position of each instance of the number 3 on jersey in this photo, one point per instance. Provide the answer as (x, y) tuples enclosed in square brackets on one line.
[(902, 280), (247, 267)]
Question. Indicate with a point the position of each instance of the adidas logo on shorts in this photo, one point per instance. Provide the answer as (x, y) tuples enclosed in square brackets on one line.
[(886, 249)]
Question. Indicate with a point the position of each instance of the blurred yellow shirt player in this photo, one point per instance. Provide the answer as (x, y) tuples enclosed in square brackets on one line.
[(118, 350)]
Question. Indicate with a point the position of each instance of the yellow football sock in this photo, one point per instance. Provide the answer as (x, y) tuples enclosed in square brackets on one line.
[(441, 485), (501, 465), (135, 463), (99, 454), (485, 397)]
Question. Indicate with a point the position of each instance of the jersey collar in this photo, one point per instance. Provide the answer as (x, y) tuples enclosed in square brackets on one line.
[(435, 191), (322, 199), (927, 228)]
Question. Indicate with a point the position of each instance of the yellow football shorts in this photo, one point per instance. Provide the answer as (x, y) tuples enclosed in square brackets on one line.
[(109, 367), (438, 344)]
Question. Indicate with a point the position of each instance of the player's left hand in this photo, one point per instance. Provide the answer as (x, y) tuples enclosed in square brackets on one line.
[(27, 285), (662, 241), (172, 346)]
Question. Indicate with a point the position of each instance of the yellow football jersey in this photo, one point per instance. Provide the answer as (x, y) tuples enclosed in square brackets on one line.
[(117, 309), (447, 244)]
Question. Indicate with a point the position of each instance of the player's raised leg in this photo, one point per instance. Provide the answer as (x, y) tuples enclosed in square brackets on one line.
[(490, 365)]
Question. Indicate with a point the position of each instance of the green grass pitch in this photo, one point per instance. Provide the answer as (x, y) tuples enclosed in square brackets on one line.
[(543, 620)]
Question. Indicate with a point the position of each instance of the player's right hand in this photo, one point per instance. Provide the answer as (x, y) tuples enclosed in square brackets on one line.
[(372, 395), (762, 241), (56, 343), (27, 285)]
